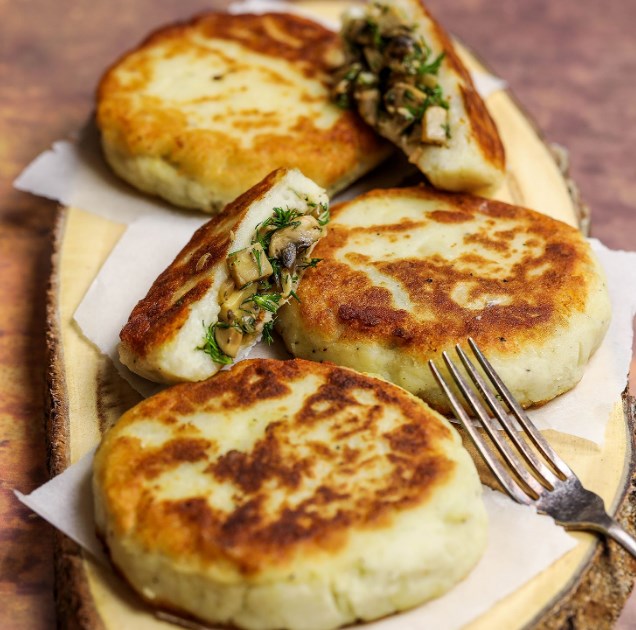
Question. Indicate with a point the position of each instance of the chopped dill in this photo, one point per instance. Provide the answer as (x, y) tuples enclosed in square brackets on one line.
[(324, 216), (283, 218), (257, 257), (211, 347), (309, 263), (432, 67), (267, 332), (266, 301)]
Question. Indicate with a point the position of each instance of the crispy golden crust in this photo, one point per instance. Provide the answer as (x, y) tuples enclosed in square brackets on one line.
[(337, 426), (408, 273), (541, 289), (483, 128), (158, 316), (167, 143)]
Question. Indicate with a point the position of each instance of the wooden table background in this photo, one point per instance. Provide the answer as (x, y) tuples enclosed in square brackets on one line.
[(571, 64)]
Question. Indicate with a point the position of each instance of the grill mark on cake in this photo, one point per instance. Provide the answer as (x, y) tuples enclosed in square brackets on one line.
[(355, 424), (487, 242), (483, 130), (450, 216), (266, 462), (171, 454), (408, 438)]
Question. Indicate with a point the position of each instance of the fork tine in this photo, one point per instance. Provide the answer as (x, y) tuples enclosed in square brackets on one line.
[(480, 443), (546, 477), (537, 439), (528, 482)]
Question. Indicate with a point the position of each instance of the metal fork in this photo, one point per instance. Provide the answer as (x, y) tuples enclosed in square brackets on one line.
[(554, 490)]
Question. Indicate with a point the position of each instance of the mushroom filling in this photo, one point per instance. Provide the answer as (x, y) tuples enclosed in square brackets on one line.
[(262, 278), (390, 74)]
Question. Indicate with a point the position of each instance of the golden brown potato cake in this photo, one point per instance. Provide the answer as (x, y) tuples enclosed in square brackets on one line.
[(202, 110), (407, 273), (287, 494)]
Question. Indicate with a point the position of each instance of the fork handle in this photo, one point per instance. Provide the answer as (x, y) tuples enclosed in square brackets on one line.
[(624, 539)]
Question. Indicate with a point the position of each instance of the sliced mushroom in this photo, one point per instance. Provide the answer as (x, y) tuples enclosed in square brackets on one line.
[(228, 339), (227, 288), (248, 265), (434, 125), (374, 58), (288, 255), (288, 241), (368, 104), (367, 95), (237, 303), (403, 95), (399, 51)]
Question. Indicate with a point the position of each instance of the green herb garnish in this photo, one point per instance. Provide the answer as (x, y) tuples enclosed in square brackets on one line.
[(433, 66), (324, 216), (266, 301), (343, 101), (295, 296), (247, 324), (309, 263), (275, 263), (267, 332), (376, 35), (283, 218), (257, 257), (211, 347)]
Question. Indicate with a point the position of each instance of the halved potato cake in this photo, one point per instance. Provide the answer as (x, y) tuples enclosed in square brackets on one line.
[(404, 77), (221, 293)]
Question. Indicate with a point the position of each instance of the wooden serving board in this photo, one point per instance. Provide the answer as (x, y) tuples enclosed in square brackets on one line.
[(585, 589)]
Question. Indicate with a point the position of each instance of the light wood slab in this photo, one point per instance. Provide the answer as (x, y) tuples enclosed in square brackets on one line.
[(585, 589)]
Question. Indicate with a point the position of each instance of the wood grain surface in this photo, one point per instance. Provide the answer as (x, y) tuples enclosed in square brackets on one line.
[(567, 62)]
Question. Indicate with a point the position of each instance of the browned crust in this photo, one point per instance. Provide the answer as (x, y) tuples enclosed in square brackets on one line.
[(483, 128), (159, 315), (252, 537), (218, 160), (352, 309)]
